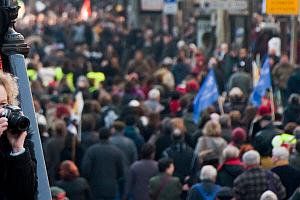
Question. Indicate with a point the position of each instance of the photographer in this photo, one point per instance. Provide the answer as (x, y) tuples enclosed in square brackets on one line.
[(18, 178)]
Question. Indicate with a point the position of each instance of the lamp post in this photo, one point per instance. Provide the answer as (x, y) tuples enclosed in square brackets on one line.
[(13, 49)]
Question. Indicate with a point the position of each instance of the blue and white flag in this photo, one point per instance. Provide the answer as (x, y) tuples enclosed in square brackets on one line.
[(207, 95), (263, 84)]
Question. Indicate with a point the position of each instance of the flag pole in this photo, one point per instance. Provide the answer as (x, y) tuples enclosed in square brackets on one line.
[(272, 103), (221, 102)]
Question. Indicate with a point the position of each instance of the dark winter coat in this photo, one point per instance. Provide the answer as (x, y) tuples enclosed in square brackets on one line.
[(138, 179), (289, 177), (18, 179), (102, 166), (77, 189), (294, 82), (182, 155), (262, 141), (228, 172)]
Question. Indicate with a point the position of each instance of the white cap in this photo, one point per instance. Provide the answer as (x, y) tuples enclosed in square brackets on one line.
[(134, 103)]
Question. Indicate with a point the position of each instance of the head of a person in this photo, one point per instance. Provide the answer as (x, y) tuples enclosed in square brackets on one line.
[(225, 121), (265, 121), (235, 94), (280, 154), (212, 128), (294, 99), (251, 159), (166, 165), (58, 193), (245, 148), (118, 127), (231, 152), (284, 58), (177, 135), (224, 48), (68, 171), (60, 128), (8, 89), (290, 127), (268, 195), (88, 123), (154, 94), (239, 136), (104, 133), (208, 173), (139, 55), (148, 151), (178, 122), (243, 53)]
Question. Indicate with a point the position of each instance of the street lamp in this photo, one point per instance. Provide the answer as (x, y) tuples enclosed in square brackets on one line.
[(13, 49)]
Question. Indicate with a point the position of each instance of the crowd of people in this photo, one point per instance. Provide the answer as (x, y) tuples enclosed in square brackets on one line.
[(136, 138)]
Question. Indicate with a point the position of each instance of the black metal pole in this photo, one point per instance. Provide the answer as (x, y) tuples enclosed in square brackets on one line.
[(13, 51)]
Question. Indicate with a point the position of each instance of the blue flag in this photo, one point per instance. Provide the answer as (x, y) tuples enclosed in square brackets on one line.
[(263, 84), (207, 95)]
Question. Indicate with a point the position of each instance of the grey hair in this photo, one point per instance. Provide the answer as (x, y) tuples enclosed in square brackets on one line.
[(268, 195), (231, 152), (251, 157), (280, 153), (208, 172)]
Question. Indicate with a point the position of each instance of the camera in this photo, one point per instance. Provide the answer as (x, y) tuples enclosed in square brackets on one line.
[(17, 122)]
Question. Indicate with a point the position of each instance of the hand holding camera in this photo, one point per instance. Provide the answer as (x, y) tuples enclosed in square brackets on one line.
[(15, 124)]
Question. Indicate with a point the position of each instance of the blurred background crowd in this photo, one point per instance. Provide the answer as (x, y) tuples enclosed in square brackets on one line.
[(135, 136)]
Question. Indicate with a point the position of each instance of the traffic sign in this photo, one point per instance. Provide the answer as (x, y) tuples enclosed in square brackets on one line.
[(282, 7), (170, 7), (225, 4)]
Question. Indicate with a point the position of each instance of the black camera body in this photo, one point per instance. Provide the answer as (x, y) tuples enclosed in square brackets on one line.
[(17, 122)]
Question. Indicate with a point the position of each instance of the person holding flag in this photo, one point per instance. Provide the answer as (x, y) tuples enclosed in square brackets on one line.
[(263, 84), (207, 95)]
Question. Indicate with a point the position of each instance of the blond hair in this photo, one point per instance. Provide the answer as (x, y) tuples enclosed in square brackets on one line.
[(10, 84), (212, 128)]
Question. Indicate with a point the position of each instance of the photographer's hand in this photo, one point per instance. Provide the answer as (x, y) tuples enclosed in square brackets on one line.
[(16, 141), (3, 124)]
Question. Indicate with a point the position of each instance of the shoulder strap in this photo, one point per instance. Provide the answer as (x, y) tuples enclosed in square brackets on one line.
[(162, 186)]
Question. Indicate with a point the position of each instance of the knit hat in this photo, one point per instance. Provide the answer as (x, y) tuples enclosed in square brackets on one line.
[(239, 136), (264, 110)]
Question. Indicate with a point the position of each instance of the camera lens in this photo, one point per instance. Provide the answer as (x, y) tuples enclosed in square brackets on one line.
[(23, 123)]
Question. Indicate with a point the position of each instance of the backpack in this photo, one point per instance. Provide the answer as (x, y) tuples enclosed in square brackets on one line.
[(207, 196)]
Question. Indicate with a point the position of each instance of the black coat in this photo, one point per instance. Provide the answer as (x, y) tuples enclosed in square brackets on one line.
[(102, 166), (182, 156), (77, 189), (18, 178), (262, 141), (293, 82), (289, 177), (228, 173), (291, 114)]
